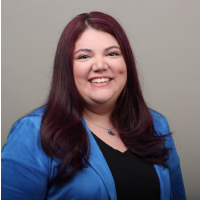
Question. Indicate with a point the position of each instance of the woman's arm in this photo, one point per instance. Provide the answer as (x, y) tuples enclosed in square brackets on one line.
[(176, 180), (24, 166)]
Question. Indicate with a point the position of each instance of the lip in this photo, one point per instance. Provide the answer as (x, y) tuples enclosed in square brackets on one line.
[(100, 84), (99, 77)]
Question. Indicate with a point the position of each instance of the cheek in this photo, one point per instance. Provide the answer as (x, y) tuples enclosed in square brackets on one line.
[(122, 72), (80, 73), (122, 68)]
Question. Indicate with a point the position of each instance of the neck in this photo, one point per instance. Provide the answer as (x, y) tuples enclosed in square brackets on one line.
[(98, 116)]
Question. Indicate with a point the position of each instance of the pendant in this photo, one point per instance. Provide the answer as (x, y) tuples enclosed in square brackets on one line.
[(110, 132)]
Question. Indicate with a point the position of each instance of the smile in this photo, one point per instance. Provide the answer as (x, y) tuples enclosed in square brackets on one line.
[(100, 80)]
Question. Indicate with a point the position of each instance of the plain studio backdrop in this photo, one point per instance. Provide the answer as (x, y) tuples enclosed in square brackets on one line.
[(165, 39)]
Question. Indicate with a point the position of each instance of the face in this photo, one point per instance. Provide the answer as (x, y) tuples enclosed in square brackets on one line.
[(99, 68)]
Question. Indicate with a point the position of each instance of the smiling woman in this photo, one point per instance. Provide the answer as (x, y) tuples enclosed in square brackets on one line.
[(99, 69), (95, 137)]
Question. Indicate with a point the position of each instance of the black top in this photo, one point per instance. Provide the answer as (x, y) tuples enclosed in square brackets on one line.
[(134, 178)]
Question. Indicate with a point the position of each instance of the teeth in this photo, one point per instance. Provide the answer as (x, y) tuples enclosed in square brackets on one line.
[(100, 80)]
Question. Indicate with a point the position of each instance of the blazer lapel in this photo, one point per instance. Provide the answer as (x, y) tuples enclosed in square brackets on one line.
[(99, 164)]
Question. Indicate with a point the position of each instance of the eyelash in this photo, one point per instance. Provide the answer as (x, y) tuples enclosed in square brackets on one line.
[(87, 56), (111, 54), (83, 57)]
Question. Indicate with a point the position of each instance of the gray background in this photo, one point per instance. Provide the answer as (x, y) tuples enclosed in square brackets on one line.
[(165, 39)]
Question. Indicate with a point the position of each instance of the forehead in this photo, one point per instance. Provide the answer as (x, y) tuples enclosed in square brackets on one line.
[(92, 38)]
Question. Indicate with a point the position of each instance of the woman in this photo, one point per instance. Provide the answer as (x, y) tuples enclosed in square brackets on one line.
[(95, 138)]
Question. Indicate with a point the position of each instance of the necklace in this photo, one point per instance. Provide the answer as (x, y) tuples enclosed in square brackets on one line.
[(108, 129)]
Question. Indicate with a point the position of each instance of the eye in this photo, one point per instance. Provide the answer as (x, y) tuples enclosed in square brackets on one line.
[(83, 57), (113, 54)]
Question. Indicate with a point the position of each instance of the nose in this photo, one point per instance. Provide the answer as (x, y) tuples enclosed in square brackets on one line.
[(99, 64)]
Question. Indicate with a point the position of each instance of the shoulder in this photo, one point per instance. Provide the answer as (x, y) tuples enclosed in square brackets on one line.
[(161, 127), (26, 130), (25, 166), (35, 115), (160, 123), (31, 120), (23, 143)]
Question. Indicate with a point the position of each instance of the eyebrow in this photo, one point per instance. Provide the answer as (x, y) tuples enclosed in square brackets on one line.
[(89, 50), (112, 47)]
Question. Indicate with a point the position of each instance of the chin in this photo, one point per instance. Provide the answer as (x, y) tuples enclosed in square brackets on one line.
[(102, 100)]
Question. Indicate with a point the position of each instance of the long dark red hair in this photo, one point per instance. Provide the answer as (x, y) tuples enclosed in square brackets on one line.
[(63, 135)]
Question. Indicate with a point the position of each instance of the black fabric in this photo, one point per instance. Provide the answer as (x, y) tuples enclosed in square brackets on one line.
[(134, 178)]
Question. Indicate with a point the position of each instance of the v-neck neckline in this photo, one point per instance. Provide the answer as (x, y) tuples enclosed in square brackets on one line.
[(125, 153)]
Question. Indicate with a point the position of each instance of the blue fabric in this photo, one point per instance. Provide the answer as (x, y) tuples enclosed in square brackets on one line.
[(26, 169)]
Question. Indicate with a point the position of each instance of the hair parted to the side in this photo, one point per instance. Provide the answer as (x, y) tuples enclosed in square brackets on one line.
[(63, 135)]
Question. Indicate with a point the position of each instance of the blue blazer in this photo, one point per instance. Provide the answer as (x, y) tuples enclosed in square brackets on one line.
[(26, 169)]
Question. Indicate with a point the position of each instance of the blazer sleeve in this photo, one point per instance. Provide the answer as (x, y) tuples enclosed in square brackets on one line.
[(176, 180), (24, 166)]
